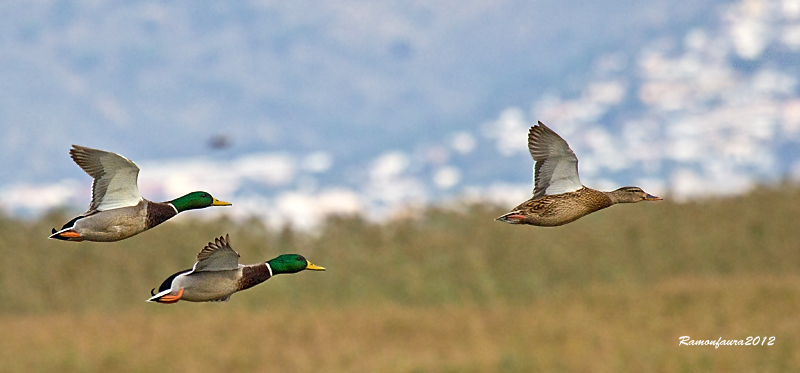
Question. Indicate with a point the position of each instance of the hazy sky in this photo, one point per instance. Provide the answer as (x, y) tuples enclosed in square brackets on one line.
[(397, 102)]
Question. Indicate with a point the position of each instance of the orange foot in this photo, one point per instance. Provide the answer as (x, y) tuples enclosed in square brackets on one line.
[(169, 299)]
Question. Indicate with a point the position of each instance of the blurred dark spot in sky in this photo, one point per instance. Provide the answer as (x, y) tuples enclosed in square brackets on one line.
[(220, 142)]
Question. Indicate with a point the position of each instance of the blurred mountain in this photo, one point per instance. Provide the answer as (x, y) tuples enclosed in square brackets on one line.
[(297, 109)]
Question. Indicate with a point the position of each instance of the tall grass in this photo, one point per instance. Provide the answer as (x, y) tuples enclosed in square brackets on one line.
[(617, 287), (442, 257)]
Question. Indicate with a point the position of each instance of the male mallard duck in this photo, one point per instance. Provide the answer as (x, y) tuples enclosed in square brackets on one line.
[(218, 274), (558, 195), (117, 210)]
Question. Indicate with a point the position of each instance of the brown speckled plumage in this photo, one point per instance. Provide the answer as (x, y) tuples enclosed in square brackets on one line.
[(559, 197), (560, 209)]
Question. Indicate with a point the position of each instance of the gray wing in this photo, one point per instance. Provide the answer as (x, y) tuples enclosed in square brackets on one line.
[(217, 256), (115, 176), (556, 167)]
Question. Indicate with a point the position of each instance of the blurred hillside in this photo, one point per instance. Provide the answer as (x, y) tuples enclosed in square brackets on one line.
[(450, 290)]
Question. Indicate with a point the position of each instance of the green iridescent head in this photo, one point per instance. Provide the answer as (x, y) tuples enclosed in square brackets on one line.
[(196, 200), (291, 263)]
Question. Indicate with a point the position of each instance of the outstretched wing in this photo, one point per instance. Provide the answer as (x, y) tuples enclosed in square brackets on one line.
[(556, 167), (114, 184), (217, 256)]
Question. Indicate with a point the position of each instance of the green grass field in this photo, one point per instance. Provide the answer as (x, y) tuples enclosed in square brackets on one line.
[(445, 292)]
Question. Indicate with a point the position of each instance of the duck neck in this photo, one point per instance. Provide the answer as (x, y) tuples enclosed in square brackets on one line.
[(619, 196), (253, 275), (182, 204), (158, 213)]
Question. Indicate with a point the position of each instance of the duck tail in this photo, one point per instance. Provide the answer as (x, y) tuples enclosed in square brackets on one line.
[(66, 235), (513, 217), (166, 296)]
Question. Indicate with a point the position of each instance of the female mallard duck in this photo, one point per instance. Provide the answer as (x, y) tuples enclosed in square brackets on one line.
[(558, 195), (117, 210), (218, 274)]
